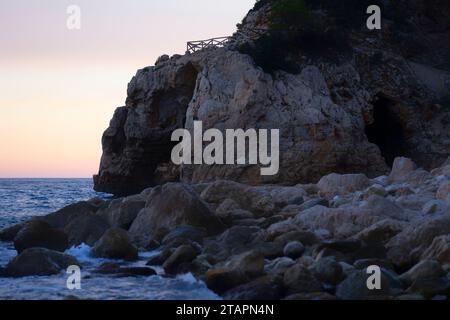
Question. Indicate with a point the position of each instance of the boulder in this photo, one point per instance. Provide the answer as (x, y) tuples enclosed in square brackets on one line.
[(299, 279), (238, 270), (328, 271), (61, 218), (160, 258), (184, 234), (443, 192), (86, 229), (9, 233), (234, 241), (115, 244), (168, 207), (264, 288), (401, 169), (381, 231), (405, 249), (278, 265), (439, 249), (183, 254), (294, 249), (39, 262), (354, 287), (338, 184), (122, 212), (40, 234), (430, 287), (423, 270)]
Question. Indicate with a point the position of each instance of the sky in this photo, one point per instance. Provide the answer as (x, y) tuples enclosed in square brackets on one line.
[(60, 87)]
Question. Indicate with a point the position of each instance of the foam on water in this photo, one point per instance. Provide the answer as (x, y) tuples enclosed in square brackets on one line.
[(24, 198)]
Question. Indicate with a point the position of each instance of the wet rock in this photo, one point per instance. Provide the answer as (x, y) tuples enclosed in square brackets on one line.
[(122, 213), (40, 234), (264, 288), (9, 233), (183, 254), (39, 262), (168, 207), (299, 279), (423, 270), (294, 249), (115, 244), (235, 240), (328, 271), (184, 234), (159, 259), (238, 270), (61, 218), (337, 184), (86, 229), (401, 169)]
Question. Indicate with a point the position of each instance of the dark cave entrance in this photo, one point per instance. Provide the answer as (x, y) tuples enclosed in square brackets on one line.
[(386, 131)]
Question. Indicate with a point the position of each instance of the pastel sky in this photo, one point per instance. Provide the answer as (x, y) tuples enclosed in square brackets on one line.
[(59, 87)]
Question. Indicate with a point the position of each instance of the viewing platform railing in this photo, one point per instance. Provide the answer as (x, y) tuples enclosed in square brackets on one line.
[(194, 46)]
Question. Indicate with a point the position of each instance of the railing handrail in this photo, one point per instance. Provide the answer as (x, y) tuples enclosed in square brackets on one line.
[(197, 45)]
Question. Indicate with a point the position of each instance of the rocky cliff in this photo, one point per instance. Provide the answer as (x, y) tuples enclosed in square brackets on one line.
[(345, 99)]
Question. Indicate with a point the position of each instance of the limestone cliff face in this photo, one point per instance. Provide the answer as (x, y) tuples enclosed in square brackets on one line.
[(353, 113)]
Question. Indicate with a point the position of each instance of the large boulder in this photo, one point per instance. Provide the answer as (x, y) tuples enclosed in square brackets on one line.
[(121, 212), (339, 184), (86, 229), (40, 234), (401, 169), (406, 247), (115, 244), (425, 269), (237, 270), (439, 249), (443, 192), (61, 218), (183, 254), (168, 207), (354, 287), (9, 233), (299, 279), (39, 262)]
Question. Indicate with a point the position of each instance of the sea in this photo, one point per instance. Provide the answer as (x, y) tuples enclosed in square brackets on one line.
[(21, 199)]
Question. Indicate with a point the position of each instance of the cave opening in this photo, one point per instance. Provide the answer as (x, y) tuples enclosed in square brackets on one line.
[(386, 131)]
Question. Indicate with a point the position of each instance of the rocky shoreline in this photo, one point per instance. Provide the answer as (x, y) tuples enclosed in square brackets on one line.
[(309, 241)]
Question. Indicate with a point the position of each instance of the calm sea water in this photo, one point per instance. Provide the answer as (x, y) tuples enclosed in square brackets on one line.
[(21, 199)]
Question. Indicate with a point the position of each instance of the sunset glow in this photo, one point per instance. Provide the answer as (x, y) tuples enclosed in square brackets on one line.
[(59, 88)]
